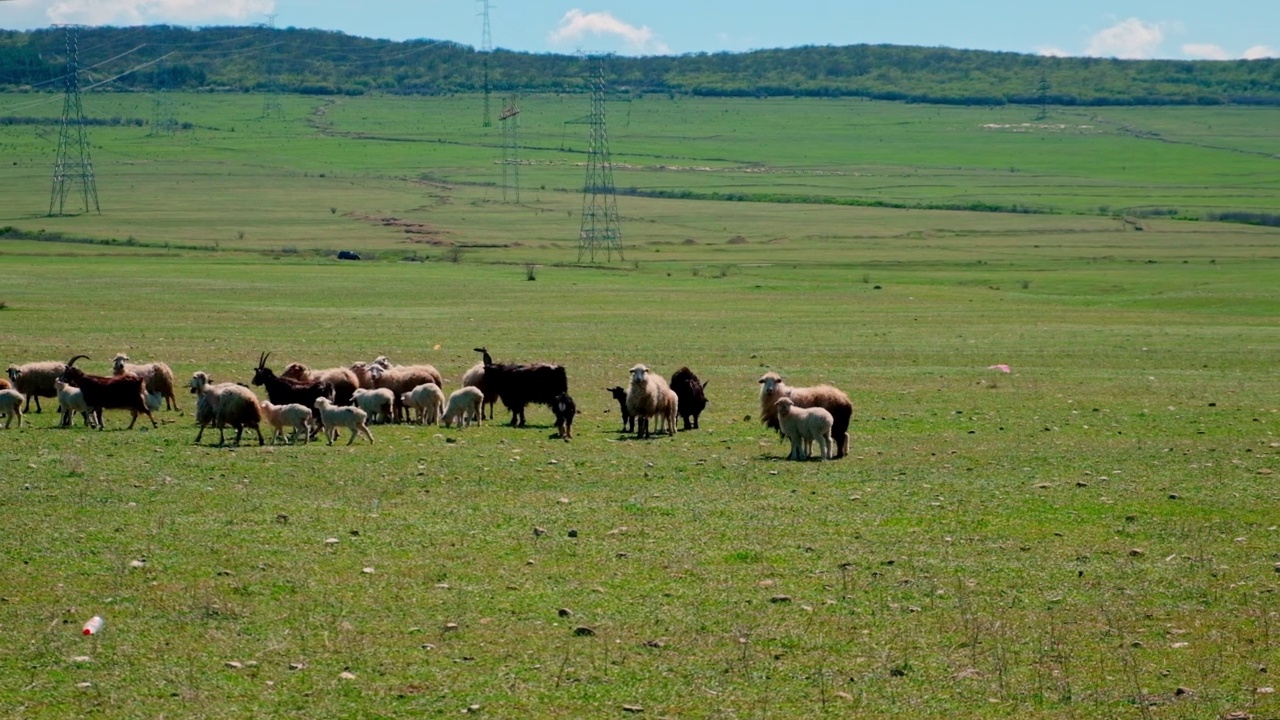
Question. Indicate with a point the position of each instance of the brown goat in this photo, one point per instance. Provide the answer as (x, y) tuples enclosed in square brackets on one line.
[(117, 392)]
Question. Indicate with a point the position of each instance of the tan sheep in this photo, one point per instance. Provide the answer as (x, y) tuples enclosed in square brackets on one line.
[(344, 380), (71, 400), (427, 400), (294, 416), (156, 377), (225, 404), (828, 397), (463, 407), (400, 379), (377, 403), (649, 396), (35, 380), (802, 426), (11, 406), (335, 417)]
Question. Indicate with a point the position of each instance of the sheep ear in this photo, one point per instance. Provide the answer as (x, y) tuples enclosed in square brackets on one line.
[(761, 381)]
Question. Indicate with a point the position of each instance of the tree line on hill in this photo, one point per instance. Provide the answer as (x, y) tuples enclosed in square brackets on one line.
[(246, 59)]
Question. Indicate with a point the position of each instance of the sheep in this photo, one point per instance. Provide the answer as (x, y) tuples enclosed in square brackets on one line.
[(693, 398), (363, 378), (225, 404), (802, 426), (400, 379), (11, 406), (428, 400), (124, 392), (649, 396), (71, 400), (520, 384), (335, 417), (565, 409), (294, 416), (5, 384), (463, 407), (35, 380), (628, 420), (285, 391), (376, 403), (157, 377), (474, 377), (344, 380), (829, 397)]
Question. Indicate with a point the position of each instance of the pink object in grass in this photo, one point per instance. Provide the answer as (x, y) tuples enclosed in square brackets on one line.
[(1001, 367)]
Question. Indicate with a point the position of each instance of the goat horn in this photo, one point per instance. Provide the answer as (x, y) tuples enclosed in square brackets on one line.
[(73, 360)]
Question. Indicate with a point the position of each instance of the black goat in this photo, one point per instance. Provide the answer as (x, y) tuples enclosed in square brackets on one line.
[(115, 392), (283, 391), (693, 398), (520, 384), (565, 409), (620, 394)]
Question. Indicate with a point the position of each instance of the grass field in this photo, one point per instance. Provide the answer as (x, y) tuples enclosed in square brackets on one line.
[(1092, 535)]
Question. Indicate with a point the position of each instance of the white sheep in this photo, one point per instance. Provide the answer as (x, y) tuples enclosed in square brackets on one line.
[(11, 406), (427, 400), (295, 416), (463, 407), (157, 377), (828, 397), (225, 404), (335, 417), (377, 403), (71, 400), (804, 425), (649, 396)]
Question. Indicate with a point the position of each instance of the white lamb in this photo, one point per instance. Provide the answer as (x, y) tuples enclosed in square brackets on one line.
[(463, 407), (295, 416), (804, 425), (11, 406), (649, 396), (378, 403), (427, 400), (71, 400), (335, 417)]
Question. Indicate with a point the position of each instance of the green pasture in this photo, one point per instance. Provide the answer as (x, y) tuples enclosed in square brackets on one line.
[(1093, 535)]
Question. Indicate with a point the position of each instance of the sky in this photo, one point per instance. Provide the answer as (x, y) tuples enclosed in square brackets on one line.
[(1131, 29)]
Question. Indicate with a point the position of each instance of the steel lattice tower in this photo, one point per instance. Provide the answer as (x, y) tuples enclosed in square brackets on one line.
[(271, 106), (73, 165), (510, 121), (162, 119), (486, 47), (600, 230)]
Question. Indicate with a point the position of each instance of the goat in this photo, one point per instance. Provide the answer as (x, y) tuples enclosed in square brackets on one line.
[(344, 380), (71, 400), (156, 376), (225, 404), (11, 406), (123, 392), (824, 396), (338, 417), (521, 384), (693, 398), (285, 391), (628, 420), (565, 409), (35, 380)]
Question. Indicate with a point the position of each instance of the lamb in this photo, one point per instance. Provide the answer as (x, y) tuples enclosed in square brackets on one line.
[(693, 398), (565, 409), (428, 400), (284, 391), (11, 406), (335, 417), (123, 392), (294, 416), (35, 380), (522, 384), (376, 403), (802, 426), (71, 400), (628, 420), (225, 404), (400, 379), (650, 396), (463, 407), (828, 397), (157, 378), (474, 377), (344, 380)]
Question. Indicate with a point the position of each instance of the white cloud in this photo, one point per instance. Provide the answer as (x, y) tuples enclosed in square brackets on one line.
[(1258, 52), (1205, 51), (1052, 51), (138, 12), (1130, 39), (577, 24)]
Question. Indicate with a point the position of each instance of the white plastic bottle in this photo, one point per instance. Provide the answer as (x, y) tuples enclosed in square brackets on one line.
[(94, 626)]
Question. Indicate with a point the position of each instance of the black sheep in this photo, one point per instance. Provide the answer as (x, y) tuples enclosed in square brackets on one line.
[(693, 398), (619, 394), (565, 409)]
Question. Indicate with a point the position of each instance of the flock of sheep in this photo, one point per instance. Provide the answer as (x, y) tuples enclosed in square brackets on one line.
[(302, 402)]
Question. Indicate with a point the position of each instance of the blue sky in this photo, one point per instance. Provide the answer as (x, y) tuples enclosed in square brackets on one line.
[(1225, 29)]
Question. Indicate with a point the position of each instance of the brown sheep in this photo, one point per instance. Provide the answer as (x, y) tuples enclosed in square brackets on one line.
[(828, 397)]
